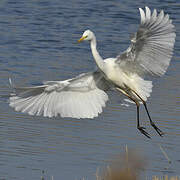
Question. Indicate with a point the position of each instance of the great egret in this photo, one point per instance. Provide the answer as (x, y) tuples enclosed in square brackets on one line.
[(84, 96)]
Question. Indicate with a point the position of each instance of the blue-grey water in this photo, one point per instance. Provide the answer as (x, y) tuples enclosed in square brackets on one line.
[(38, 41)]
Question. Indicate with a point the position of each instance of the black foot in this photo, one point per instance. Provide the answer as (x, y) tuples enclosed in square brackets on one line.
[(141, 129), (157, 129)]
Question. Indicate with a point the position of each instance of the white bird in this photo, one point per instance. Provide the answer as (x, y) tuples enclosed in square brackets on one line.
[(84, 96)]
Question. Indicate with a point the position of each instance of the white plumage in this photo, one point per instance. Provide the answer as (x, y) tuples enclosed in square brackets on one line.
[(77, 98), (84, 96)]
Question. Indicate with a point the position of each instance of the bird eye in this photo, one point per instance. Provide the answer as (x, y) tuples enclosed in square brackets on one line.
[(86, 36)]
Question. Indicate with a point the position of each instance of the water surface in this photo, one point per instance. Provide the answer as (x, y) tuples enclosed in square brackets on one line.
[(38, 42)]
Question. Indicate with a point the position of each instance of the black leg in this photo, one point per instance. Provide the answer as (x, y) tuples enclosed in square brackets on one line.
[(151, 122), (140, 128)]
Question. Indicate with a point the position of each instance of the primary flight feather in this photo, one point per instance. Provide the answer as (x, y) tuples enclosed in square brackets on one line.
[(84, 96)]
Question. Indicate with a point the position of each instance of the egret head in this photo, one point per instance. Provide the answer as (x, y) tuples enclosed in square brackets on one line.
[(87, 36)]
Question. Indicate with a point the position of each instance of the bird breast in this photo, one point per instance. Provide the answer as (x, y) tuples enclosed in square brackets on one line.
[(114, 73)]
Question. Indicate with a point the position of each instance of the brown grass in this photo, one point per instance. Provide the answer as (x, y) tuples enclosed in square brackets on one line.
[(166, 178), (125, 166)]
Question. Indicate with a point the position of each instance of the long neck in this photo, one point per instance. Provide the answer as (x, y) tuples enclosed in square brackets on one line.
[(98, 59)]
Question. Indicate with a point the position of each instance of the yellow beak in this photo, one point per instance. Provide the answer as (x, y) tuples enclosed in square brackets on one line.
[(81, 39)]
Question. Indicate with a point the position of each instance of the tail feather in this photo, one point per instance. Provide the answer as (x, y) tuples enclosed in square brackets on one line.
[(142, 87)]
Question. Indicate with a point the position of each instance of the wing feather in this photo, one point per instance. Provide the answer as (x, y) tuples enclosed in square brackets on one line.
[(151, 47), (81, 97)]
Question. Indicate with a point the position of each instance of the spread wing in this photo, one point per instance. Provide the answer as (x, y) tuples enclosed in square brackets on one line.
[(81, 97), (152, 46)]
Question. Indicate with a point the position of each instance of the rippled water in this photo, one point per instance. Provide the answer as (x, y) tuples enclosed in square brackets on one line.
[(38, 42)]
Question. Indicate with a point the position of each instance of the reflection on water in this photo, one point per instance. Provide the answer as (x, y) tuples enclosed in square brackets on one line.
[(38, 42)]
